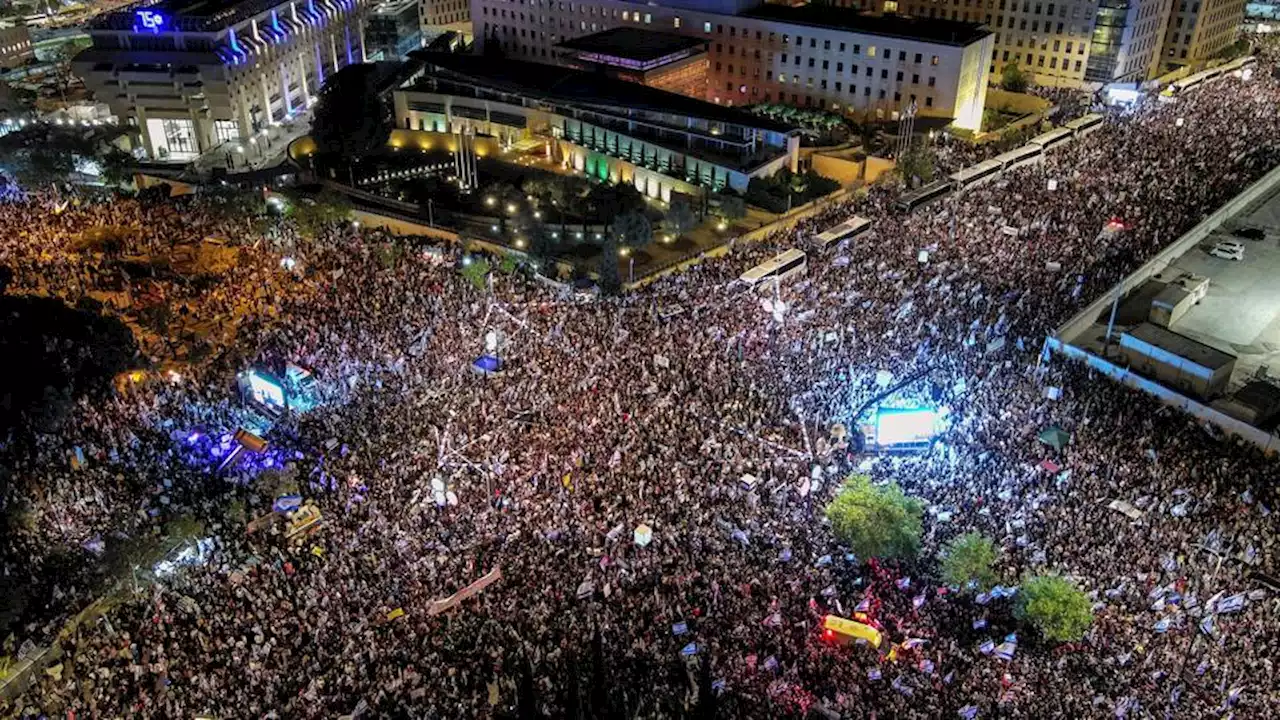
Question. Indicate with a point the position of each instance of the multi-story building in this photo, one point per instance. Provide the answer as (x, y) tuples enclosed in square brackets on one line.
[(1065, 43), (393, 30), (675, 63), (191, 75), (15, 45), (1199, 29), (811, 56), (437, 15), (611, 129)]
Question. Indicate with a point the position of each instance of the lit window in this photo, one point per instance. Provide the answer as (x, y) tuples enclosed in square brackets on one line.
[(648, 18), (871, 51), (891, 6), (626, 15), (706, 28), (677, 21)]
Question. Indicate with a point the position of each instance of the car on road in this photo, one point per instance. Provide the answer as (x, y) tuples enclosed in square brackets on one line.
[(1250, 233), (1228, 250)]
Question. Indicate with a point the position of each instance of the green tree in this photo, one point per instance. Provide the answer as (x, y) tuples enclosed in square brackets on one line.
[(1012, 78), (679, 218), (1059, 610), (314, 215), (969, 557), (876, 521), (731, 207), (476, 272), (916, 163), (632, 229), (40, 165)]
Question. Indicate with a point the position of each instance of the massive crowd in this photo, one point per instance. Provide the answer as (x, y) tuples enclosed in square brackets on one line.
[(650, 409)]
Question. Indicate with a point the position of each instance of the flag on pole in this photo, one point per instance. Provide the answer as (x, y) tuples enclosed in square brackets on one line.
[(969, 712)]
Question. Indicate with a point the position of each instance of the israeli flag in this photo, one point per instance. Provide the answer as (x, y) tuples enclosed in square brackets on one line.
[(917, 601), (1232, 696), (949, 677), (873, 674), (1169, 563), (785, 555), (864, 606), (926, 667), (718, 685), (824, 561), (1231, 604), (1206, 625), (771, 663), (1162, 626), (1011, 638), (982, 599), (1005, 651), (680, 628), (902, 688), (903, 583), (690, 649), (979, 623), (968, 712), (987, 647), (851, 558)]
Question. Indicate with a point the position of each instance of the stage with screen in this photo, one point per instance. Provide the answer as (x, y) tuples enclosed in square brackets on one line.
[(905, 428)]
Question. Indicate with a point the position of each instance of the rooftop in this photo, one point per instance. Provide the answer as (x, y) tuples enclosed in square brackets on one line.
[(193, 15), (587, 88), (943, 32), (633, 43), (1182, 346)]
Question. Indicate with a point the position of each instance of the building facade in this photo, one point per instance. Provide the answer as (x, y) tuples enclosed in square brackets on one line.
[(1200, 29), (191, 78), (807, 56), (437, 14), (675, 63), (15, 45), (660, 142), (1065, 43), (393, 30)]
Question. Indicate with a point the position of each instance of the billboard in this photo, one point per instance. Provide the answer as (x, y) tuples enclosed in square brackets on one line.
[(905, 426), (265, 389)]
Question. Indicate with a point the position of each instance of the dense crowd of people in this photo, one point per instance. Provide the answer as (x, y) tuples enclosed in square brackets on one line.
[(684, 408)]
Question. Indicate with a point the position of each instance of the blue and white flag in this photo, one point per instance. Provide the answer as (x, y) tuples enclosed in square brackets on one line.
[(864, 606), (1206, 625), (979, 623), (680, 628), (926, 667), (982, 599), (1169, 563), (718, 685), (1011, 638), (829, 591), (903, 583), (987, 647), (873, 674), (997, 591), (1005, 650), (913, 643), (771, 663), (823, 561), (785, 555), (968, 712), (1162, 626), (1175, 695), (917, 602), (1232, 696), (902, 687), (690, 649), (851, 558), (741, 537), (949, 677), (1231, 604)]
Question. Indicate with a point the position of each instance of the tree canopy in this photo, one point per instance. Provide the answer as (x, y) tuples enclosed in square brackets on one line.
[(876, 520), (970, 557), (1012, 78), (1059, 610), (351, 119), (679, 219)]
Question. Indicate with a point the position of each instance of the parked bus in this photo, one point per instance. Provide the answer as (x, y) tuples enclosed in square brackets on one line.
[(1019, 156), (1086, 124), (921, 196), (780, 267), (1053, 138), (845, 230), (975, 174)]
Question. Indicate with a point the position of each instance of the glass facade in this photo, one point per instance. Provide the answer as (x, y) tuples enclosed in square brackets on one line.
[(1108, 35)]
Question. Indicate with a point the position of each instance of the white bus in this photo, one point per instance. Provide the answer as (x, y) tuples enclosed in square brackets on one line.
[(782, 267), (1085, 124), (1053, 138), (1019, 156), (848, 229), (975, 174)]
